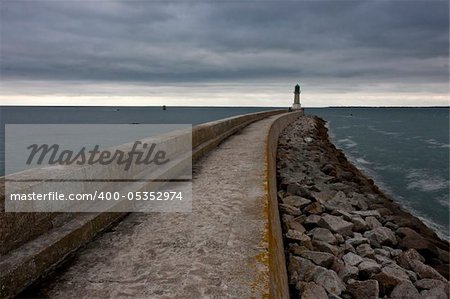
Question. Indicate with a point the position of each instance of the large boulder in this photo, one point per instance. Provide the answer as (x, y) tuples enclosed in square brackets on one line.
[(336, 224), (389, 277), (299, 237), (368, 267), (405, 258), (348, 272), (364, 250), (436, 293), (299, 268), (368, 213), (373, 222), (352, 259), (381, 236), (313, 208), (291, 210), (340, 201), (312, 290), (405, 290), (296, 201), (364, 289), (319, 258), (428, 284), (325, 247), (323, 234), (359, 224), (412, 239), (425, 271), (330, 281)]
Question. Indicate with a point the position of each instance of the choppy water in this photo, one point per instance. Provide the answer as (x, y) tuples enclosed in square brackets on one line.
[(406, 152)]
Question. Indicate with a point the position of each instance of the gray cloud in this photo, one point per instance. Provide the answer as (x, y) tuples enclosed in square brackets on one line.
[(157, 42)]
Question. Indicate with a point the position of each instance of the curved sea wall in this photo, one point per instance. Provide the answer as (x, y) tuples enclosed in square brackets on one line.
[(342, 235), (34, 243)]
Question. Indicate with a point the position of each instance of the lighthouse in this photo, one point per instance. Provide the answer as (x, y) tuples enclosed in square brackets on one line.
[(296, 105)]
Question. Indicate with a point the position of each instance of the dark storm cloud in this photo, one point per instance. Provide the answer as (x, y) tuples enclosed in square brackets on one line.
[(404, 41)]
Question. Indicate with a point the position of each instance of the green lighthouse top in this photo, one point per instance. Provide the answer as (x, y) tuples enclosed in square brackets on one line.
[(297, 89)]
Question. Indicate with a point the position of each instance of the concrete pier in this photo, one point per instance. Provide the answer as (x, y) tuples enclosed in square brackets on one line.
[(227, 246)]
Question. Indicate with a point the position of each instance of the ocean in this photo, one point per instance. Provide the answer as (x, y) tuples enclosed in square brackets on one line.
[(404, 150)]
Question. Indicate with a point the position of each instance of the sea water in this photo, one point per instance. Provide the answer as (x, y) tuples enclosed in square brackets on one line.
[(404, 150)]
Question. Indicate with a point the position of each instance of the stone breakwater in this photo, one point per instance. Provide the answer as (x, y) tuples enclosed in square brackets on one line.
[(343, 237)]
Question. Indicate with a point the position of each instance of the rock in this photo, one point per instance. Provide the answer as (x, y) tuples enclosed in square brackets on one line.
[(383, 260), (364, 289), (389, 277), (300, 268), (428, 284), (364, 250), (348, 272), (336, 224), (300, 237), (357, 240), (391, 226), (296, 249), (368, 213), (411, 239), (346, 215), (319, 258), (382, 252), (381, 236), (395, 252), (384, 211), (436, 293), (367, 268), (425, 271), (312, 220), (325, 247), (323, 196), (330, 281), (359, 224), (296, 189), (412, 275), (296, 201), (314, 208), (291, 210), (346, 248), (373, 222), (340, 202), (361, 201), (339, 238), (337, 265), (352, 259), (405, 290), (323, 234), (295, 226), (312, 290), (405, 258), (444, 255), (328, 169)]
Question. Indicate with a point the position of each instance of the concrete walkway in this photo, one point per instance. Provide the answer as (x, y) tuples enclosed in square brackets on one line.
[(217, 250)]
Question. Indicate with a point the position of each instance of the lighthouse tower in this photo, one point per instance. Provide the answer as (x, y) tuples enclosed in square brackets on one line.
[(296, 105)]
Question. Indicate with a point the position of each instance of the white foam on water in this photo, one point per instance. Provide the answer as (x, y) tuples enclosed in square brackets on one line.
[(421, 180), (372, 128), (362, 161), (347, 142)]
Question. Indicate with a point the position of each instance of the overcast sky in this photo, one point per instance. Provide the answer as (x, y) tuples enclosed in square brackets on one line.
[(233, 53)]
